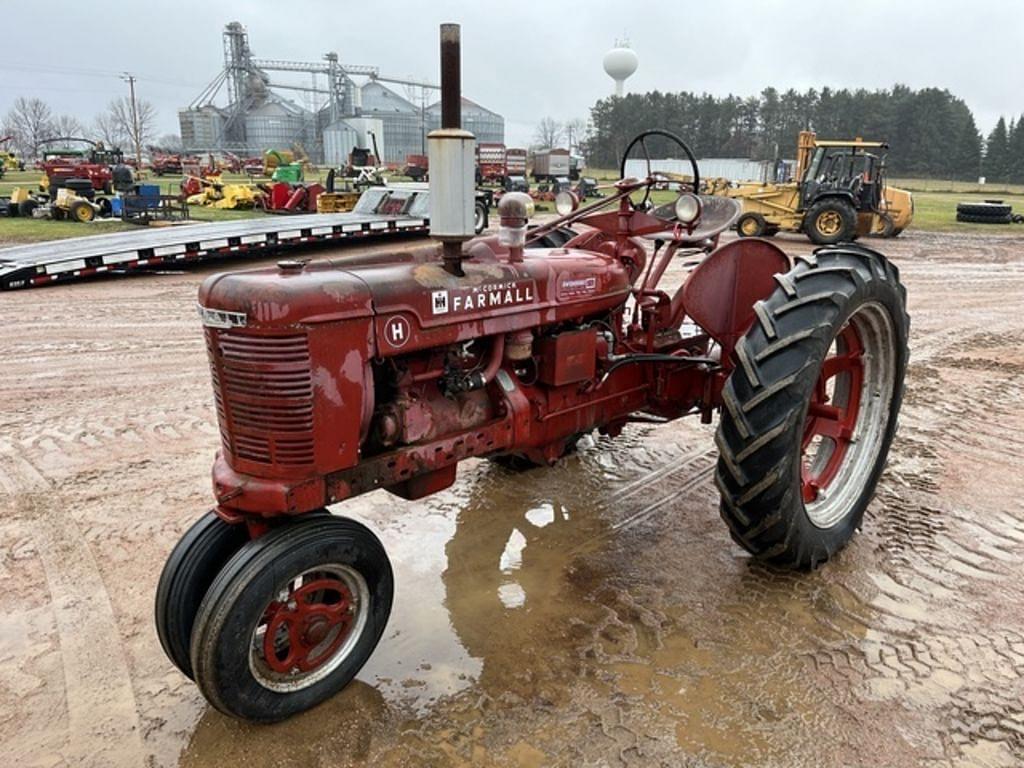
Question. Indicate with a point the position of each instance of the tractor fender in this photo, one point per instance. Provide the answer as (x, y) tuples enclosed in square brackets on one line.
[(720, 294)]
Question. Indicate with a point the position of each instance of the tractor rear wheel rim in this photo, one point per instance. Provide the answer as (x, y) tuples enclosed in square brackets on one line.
[(309, 628), (848, 415), (829, 223)]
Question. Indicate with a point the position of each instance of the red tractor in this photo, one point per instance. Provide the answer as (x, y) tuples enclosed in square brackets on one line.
[(95, 164), (339, 378)]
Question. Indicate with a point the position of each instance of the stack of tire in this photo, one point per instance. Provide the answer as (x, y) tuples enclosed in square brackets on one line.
[(988, 212)]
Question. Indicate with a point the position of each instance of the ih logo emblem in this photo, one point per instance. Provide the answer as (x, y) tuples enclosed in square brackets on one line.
[(397, 331), (439, 302)]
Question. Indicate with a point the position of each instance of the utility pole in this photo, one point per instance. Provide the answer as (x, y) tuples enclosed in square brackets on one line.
[(130, 79)]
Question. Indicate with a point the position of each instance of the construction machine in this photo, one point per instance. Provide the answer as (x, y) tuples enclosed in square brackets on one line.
[(9, 161), (839, 193)]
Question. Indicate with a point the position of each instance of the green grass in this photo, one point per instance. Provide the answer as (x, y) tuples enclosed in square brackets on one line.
[(21, 230), (960, 187), (936, 212)]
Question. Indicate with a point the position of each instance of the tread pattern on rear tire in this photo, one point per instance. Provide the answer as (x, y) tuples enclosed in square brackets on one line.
[(765, 402)]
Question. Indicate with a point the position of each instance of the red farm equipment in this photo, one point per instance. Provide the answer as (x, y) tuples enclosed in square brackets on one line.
[(95, 164), (166, 164), (283, 197), (416, 167), (339, 378), (490, 163), (515, 162)]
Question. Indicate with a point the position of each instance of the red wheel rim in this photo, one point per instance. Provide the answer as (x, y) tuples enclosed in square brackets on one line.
[(832, 414), (306, 630)]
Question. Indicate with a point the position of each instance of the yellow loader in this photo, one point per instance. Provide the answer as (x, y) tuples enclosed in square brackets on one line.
[(838, 193)]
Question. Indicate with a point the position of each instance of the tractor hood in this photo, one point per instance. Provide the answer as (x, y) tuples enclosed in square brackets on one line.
[(282, 298), (416, 303)]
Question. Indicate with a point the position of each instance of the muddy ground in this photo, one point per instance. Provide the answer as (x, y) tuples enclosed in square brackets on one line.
[(594, 614)]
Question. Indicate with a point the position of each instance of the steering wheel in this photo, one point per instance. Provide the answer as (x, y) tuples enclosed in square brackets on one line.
[(641, 139)]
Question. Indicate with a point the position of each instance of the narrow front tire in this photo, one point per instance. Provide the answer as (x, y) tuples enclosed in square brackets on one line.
[(292, 618)]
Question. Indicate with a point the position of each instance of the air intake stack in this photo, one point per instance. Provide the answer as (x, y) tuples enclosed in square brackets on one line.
[(452, 162)]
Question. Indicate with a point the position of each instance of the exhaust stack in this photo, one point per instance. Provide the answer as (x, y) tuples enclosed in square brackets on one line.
[(451, 152)]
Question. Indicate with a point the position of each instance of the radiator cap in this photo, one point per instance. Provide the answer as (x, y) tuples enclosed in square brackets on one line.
[(291, 265)]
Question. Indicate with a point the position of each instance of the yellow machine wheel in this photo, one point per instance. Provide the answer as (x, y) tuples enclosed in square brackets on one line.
[(81, 211), (828, 223), (751, 225)]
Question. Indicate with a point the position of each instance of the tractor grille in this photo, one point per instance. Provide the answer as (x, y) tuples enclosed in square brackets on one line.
[(264, 393)]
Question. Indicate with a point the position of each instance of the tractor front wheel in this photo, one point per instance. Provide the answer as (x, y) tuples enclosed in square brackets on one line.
[(292, 618), (811, 407), (751, 225), (190, 569), (831, 221)]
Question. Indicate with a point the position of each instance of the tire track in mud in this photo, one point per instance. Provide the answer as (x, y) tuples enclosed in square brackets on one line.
[(102, 712), (71, 380), (935, 648)]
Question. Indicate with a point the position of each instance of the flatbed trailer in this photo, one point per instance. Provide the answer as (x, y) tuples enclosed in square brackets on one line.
[(27, 266)]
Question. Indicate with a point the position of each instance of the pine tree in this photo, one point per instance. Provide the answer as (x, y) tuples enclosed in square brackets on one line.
[(996, 153), (931, 132), (1015, 153)]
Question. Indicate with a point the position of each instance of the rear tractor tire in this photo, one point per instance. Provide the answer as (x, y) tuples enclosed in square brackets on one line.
[(811, 407), (291, 618), (831, 221), (751, 225)]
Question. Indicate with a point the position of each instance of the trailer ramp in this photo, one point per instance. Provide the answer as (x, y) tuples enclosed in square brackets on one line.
[(37, 264)]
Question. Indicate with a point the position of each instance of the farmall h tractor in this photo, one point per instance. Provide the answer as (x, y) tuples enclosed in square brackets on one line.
[(335, 379)]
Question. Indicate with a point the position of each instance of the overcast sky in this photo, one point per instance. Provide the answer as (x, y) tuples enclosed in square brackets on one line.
[(525, 60)]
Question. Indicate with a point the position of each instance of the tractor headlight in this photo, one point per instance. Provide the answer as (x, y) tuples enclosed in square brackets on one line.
[(687, 208), (566, 202)]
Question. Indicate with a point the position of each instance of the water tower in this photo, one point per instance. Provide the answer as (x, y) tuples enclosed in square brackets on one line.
[(620, 62)]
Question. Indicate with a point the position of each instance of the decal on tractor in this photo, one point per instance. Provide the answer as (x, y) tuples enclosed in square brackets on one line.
[(439, 302), (570, 286), (397, 332), (482, 297)]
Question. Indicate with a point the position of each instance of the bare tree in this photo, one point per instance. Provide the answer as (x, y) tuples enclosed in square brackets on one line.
[(68, 126), (107, 130), (548, 133), (29, 121), (120, 114), (171, 142)]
